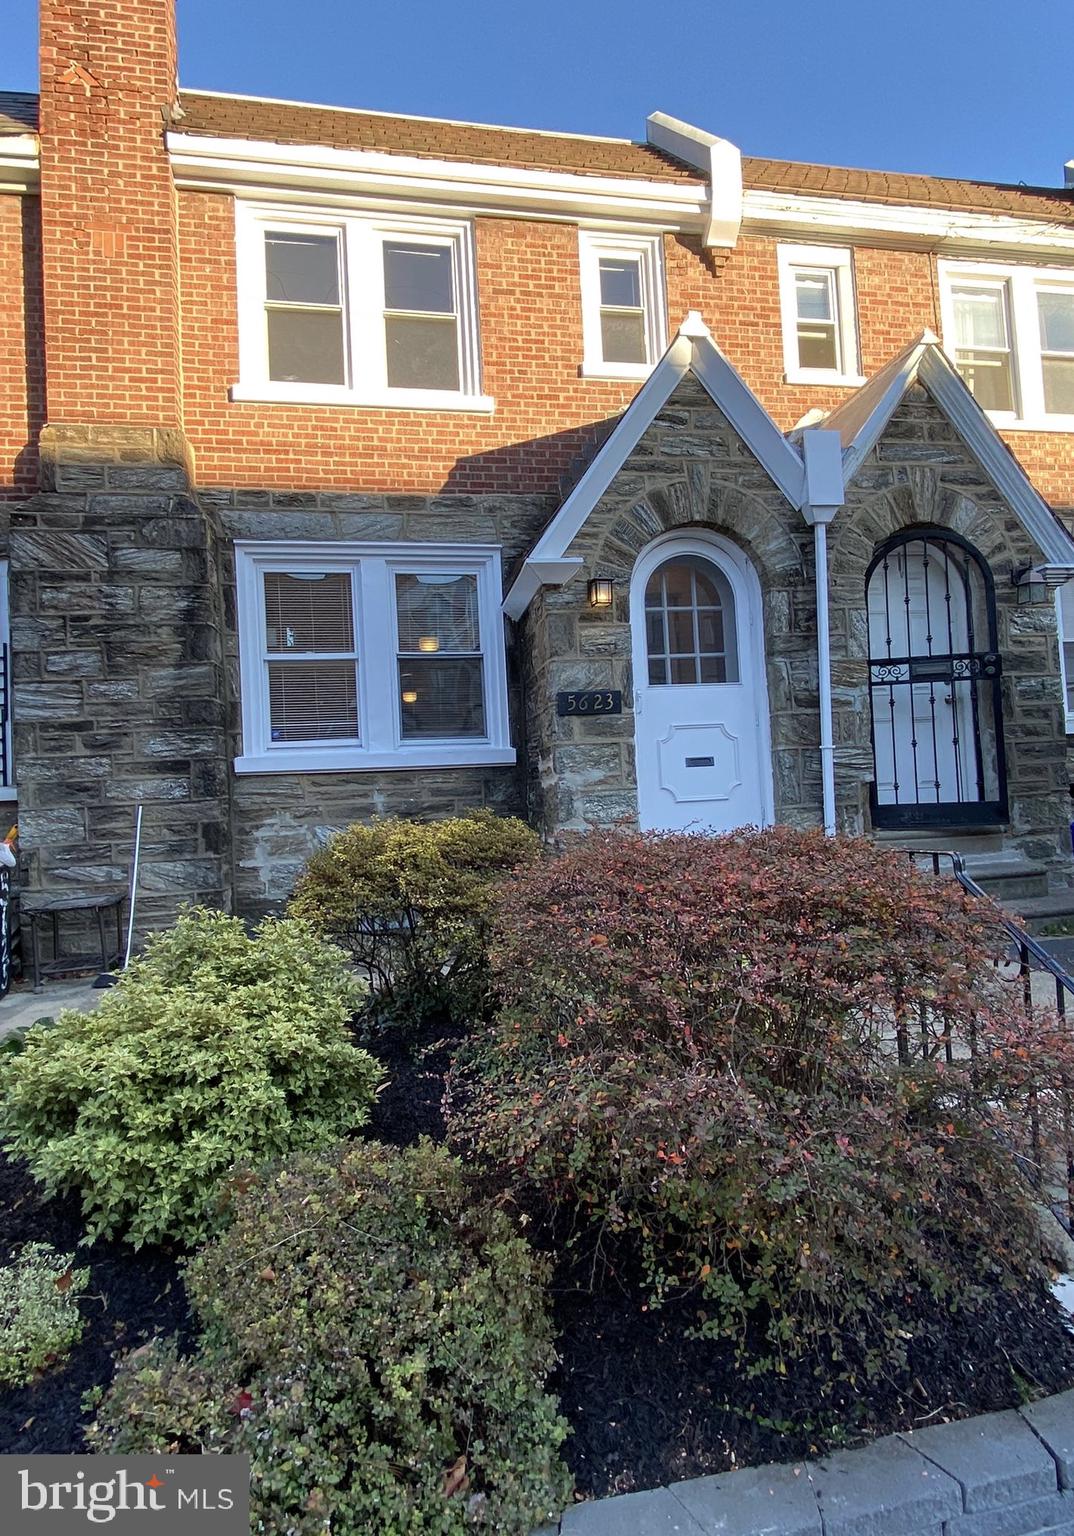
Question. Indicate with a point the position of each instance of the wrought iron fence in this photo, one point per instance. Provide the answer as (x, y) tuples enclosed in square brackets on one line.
[(1049, 1167)]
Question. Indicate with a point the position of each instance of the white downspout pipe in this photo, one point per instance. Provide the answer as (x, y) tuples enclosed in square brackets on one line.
[(823, 454), (824, 674)]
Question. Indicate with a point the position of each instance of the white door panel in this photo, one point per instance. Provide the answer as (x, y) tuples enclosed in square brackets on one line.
[(701, 714)]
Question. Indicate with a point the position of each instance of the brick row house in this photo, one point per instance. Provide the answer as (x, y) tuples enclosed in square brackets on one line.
[(357, 464)]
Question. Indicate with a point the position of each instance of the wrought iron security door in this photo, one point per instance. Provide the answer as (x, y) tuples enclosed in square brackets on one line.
[(934, 684)]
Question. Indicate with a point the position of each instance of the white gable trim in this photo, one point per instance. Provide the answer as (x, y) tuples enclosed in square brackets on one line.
[(692, 351), (927, 363)]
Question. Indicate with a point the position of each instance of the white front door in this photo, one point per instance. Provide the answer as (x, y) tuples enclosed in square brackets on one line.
[(700, 702)]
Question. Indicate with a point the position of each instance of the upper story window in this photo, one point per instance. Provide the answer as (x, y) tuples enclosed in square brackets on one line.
[(624, 326), (370, 656), (356, 310), (1010, 332), (820, 333)]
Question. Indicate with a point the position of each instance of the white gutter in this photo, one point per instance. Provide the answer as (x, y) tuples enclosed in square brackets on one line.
[(250, 167), (19, 162), (718, 160), (822, 451)]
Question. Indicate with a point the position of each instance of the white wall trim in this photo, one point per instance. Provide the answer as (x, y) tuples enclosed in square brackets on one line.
[(210, 163), (20, 165), (802, 216), (381, 744)]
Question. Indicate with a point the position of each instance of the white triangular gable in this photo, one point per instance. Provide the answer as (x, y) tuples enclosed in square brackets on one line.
[(692, 351), (862, 420)]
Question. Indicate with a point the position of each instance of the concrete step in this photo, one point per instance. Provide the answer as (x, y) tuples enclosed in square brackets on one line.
[(1008, 876), (1041, 913), (987, 840)]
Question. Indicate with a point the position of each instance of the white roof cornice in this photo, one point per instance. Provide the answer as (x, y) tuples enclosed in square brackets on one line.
[(252, 167), (692, 351), (19, 162), (905, 226)]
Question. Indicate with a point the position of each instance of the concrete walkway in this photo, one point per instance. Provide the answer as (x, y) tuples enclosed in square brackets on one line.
[(23, 1006)]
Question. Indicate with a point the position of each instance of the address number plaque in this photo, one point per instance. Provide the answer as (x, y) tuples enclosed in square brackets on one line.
[(594, 701)]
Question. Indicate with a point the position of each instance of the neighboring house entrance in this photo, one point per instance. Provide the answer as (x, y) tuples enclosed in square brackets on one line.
[(934, 671), (700, 700)]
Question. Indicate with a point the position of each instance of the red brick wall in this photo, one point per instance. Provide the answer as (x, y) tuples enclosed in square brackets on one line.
[(108, 211), (21, 355), (531, 344)]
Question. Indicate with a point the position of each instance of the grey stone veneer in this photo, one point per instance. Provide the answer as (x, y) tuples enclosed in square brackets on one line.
[(1002, 1474)]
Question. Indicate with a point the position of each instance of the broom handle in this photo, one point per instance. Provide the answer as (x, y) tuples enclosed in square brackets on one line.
[(134, 885)]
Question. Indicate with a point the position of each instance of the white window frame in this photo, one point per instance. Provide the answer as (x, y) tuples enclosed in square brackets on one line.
[(361, 237), (372, 568), (648, 251), (1021, 284), (839, 262)]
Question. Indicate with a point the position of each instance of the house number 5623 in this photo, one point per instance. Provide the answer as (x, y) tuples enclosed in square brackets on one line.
[(594, 701)]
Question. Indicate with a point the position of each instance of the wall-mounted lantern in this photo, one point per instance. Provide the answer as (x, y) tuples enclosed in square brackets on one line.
[(600, 592), (1035, 585)]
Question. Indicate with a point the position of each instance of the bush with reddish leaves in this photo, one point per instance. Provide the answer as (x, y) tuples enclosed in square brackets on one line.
[(780, 1071)]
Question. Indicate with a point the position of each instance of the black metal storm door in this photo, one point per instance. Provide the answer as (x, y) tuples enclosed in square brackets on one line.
[(934, 684)]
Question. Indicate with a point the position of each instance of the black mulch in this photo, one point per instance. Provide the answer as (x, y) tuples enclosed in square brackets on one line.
[(647, 1405), (131, 1296)]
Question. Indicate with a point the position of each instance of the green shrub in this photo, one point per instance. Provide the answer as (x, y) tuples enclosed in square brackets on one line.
[(375, 1343), (216, 1050), (699, 1048), (410, 901), (39, 1318)]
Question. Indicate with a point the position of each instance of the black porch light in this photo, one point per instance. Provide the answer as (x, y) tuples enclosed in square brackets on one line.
[(599, 591)]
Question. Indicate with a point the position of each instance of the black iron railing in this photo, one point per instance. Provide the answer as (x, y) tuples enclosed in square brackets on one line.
[(1049, 1167)]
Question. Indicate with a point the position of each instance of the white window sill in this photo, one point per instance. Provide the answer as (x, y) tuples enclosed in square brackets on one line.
[(10, 792), (388, 400), (1005, 423), (350, 760), (823, 376), (612, 371)]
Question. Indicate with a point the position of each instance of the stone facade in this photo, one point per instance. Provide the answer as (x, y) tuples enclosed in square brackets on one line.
[(118, 672), (690, 470)]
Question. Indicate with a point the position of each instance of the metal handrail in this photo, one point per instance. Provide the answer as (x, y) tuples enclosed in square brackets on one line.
[(1027, 946)]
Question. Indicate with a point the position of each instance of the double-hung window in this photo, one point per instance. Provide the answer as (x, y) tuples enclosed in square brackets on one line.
[(1010, 332), (1064, 604), (370, 656), (356, 309), (624, 325), (817, 309)]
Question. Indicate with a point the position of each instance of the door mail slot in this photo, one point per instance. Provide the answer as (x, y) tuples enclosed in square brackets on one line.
[(700, 762)]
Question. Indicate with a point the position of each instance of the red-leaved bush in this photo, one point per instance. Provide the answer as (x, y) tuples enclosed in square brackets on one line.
[(782, 1069)]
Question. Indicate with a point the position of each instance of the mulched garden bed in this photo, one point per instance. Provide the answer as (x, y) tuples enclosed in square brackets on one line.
[(647, 1404), (131, 1297)]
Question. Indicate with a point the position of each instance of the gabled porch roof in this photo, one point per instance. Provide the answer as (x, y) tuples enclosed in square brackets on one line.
[(860, 423)]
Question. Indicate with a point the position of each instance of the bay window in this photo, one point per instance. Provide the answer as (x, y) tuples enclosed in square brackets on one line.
[(1010, 333), (370, 656), (353, 309)]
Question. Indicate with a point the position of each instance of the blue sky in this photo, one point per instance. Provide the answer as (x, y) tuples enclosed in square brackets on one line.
[(954, 87)]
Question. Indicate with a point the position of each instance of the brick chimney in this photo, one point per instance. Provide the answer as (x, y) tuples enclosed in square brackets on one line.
[(117, 630), (108, 211)]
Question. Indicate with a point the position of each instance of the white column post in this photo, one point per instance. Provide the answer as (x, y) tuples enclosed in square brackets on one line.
[(823, 454)]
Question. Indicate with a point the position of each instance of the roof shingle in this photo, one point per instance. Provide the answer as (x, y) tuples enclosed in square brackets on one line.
[(286, 123), (18, 112)]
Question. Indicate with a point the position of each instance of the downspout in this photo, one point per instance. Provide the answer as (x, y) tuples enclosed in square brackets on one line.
[(823, 454)]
